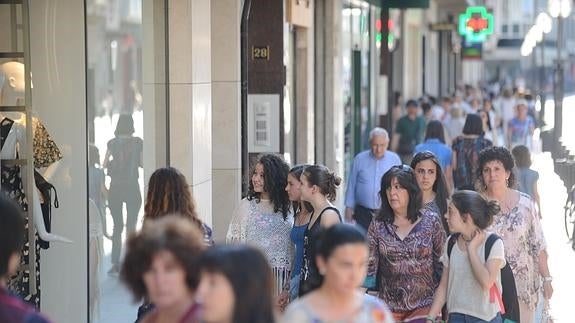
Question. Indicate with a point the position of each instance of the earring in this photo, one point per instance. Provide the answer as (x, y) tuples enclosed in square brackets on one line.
[(507, 182), (322, 272)]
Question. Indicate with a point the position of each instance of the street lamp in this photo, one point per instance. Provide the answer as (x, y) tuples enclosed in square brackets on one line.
[(559, 9)]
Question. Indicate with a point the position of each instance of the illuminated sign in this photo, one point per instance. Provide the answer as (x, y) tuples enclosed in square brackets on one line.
[(476, 24)]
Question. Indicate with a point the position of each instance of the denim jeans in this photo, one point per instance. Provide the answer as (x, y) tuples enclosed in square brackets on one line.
[(294, 287), (463, 318)]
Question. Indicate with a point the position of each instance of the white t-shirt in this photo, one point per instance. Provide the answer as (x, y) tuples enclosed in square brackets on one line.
[(464, 293)]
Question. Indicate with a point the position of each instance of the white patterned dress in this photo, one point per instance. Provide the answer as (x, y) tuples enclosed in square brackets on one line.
[(257, 224), (522, 235)]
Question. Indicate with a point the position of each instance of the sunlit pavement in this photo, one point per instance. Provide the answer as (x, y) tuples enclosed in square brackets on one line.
[(561, 256)]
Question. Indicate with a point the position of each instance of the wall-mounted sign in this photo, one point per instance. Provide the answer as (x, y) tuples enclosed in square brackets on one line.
[(261, 52), (403, 4), (441, 26), (471, 51), (476, 24), (263, 123)]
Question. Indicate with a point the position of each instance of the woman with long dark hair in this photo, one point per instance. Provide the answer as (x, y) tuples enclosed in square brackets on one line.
[(236, 286), (303, 211), (405, 244), (263, 218), (169, 194), (342, 255), (466, 150), (432, 184), (319, 186), (435, 143)]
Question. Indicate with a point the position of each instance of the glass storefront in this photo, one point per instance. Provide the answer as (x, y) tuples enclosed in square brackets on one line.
[(123, 69), (98, 105), (358, 47)]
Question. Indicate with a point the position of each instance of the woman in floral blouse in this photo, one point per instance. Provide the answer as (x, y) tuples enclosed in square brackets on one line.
[(518, 225), (405, 244)]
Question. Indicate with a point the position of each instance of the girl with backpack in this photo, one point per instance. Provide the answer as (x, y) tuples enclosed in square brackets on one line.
[(471, 281)]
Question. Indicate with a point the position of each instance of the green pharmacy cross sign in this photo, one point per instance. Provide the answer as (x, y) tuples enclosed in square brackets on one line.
[(475, 24)]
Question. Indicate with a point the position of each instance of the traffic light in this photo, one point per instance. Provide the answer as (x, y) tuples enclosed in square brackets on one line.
[(379, 33)]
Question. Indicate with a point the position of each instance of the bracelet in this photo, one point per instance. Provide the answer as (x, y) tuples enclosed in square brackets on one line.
[(430, 318), (547, 279)]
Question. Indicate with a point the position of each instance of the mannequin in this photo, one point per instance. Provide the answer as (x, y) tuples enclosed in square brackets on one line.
[(13, 180)]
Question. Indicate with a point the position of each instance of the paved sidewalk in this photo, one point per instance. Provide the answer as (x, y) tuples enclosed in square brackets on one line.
[(561, 256)]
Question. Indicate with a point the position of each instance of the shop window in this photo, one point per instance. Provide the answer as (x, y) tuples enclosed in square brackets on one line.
[(126, 101)]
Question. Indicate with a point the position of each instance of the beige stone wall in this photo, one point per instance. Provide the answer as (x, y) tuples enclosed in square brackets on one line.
[(226, 112)]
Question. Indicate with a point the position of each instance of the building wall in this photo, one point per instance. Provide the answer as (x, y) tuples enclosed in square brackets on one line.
[(190, 90), (226, 113)]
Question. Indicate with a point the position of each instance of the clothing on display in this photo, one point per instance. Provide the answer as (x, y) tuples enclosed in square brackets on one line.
[(12, 146)]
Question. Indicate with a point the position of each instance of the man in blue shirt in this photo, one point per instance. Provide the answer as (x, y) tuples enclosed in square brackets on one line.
[(364, 180)]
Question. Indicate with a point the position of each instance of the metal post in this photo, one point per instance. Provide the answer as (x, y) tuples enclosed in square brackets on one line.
[(558, 128)]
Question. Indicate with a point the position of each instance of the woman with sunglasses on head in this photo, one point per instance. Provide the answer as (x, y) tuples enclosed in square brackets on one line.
[(405, 246), (303, 211), (432, 184), (263, 219), (318, 188), (342, 254)]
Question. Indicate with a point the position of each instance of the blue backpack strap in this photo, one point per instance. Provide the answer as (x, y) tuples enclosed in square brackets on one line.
[(451, 242)]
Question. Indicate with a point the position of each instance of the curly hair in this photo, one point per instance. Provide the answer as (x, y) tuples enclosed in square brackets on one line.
[(495, 153), (169, 193), (275, 181), (440, 185), (406, 178), (326, 180), (174, 234)]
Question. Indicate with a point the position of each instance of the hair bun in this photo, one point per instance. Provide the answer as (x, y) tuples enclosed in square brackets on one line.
[(336, 179), (492, 208)]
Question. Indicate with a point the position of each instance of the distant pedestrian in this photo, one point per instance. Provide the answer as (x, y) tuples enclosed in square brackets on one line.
[(236, 285), (527, 177), (342, 254), (263, 219), (318, 187), (409, 132), (124, 157), (466, 150), (468, 278), (12, 236), (520, 128), (405, 244), (435, 143), (161, 263), (303, 211), (361, 196)]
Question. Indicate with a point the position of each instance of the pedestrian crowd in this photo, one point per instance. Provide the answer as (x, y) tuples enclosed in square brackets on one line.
[(444, 226)]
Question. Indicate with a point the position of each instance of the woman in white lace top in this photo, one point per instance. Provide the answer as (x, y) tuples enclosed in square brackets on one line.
[(263, 219)]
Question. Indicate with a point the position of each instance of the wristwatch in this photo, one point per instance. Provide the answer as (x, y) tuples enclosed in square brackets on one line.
[(547, 279)]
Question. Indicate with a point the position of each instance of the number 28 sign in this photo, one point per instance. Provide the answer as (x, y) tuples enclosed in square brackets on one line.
[(261, 52), (476, 24)]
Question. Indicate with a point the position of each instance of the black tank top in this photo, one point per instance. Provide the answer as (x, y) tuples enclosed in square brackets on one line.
[(310, 278)]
